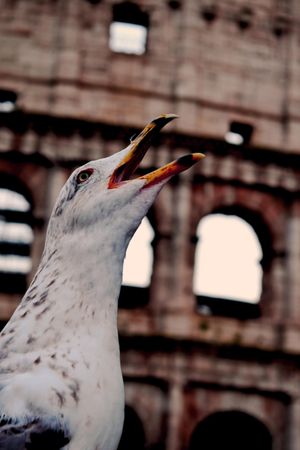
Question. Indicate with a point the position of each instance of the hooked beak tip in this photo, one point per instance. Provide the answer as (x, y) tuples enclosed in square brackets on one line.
[(137, 150)]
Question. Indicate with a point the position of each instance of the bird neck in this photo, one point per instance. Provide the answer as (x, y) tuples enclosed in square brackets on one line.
[(75, 290), (84, 271)]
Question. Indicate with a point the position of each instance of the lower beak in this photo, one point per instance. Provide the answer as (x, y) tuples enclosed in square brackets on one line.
[(171, 169), (137, 151)]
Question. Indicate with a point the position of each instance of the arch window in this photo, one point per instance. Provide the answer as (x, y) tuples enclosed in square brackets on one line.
[(139, 257), (133, 436), (8, 101), (234, 430), (138, 264), (16, 237), (227, 260), (128, 30)]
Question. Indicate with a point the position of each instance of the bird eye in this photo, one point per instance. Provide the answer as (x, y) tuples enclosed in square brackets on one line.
[(84, 175)]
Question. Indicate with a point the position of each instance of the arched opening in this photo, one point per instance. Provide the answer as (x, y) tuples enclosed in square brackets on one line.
[(8, 101), (137, 269), (16, 237), (128, 30), (234, 430), (139, 257), (133, 435), (228, 266)]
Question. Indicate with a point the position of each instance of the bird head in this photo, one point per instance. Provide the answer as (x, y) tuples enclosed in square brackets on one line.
[(102, 193)]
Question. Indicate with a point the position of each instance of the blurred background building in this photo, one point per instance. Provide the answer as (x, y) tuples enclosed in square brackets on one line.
[(210, 328)]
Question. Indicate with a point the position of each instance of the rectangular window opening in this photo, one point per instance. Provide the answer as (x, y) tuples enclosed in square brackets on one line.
[(128, 38)]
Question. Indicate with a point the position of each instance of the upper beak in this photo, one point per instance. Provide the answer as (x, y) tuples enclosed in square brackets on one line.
[(137, 151)]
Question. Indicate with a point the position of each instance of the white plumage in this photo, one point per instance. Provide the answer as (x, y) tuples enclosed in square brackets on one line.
[(60, 377)]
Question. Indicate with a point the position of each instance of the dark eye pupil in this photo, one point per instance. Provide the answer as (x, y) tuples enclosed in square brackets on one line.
[(83, 176)]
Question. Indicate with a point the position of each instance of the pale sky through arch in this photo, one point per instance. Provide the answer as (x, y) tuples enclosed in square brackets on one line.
[(14, 233), (139, 257), (227, 259)]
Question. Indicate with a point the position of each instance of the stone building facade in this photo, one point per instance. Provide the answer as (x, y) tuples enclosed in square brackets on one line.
[(192, 380)]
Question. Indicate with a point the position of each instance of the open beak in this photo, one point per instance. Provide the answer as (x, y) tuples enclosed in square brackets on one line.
[(137, 151)]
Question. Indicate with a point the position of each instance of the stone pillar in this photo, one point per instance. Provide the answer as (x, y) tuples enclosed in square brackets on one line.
[(293, 265), (161, 277), (276, 294), (294, 426), (182, 276), (56, 177), (175, 411), (181, 217), (174, 302), (172, 299)]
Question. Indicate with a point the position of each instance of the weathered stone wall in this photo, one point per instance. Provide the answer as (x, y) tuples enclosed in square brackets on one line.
[(56, 55), (78, 100)]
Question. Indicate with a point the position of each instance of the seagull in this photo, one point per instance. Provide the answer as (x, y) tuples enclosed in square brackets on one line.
[(61, 385)]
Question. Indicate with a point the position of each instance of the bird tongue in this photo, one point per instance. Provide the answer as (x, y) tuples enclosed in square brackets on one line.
[(137, 151)]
